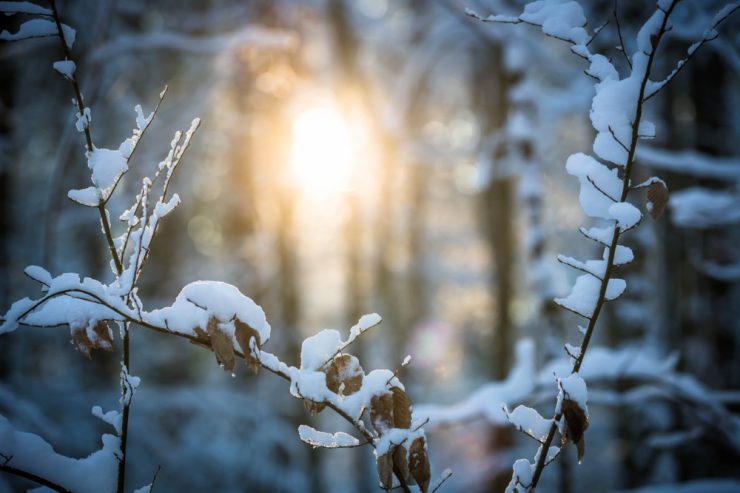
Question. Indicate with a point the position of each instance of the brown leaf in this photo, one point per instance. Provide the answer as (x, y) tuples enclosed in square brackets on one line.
[(345, 369), (576, 423), (401, 409), (104, 340), (384, 463), (81, 341), (381, 412), (221, 345), (401, 462), (657, 195), (312, 407), (101, 338), (581, 447), (419, 464), (244, 333)]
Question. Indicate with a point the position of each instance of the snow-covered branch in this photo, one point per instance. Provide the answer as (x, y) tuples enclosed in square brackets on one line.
[(617, 116)]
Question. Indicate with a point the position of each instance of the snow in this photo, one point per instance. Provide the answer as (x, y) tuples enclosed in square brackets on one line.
[(585, 294), (489, 398), (561, 19), (592, 174), (83, 120), (64, 304), (612, 114), (320, 348), (573, 387), (66, 68), (627, 215), (523, 470), (699, 207), (691, 163), (646, 130), (107, 166), (39, 28), (89, 197), (201, 300), (600, 365), (366, 322), (28, 452), (10, 8), (602, 69), (113, 418), (601, 235), (528, 420), (593, 267), (326, 440), (393, 437), (38, 274), (622, 255)]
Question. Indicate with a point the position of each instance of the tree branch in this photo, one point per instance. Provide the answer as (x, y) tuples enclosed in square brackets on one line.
[(601, 300)]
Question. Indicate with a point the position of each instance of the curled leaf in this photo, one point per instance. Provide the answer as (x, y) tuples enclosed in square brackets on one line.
[(657, 196), (419, 464), (576, 423), (221, 345), (345, 374), (244, 334)]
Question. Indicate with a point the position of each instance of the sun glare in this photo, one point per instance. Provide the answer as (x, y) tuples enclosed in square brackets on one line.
[(322, 150)]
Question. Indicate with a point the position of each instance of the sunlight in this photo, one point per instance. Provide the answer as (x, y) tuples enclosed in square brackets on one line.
[(322, 150)]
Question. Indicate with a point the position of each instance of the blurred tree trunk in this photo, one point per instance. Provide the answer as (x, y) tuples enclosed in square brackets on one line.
[(498, 213)]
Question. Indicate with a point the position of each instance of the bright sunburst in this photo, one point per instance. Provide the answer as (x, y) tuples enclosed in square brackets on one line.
[(322, 150)]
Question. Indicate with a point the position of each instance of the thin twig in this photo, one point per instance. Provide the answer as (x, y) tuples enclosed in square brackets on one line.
[(88, 137), (682, 63), (33, 477), (619, 33)]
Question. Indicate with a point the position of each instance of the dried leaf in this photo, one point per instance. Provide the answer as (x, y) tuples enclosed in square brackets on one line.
[(221, 345), (81, 341), (401, 409), (401, 462), (419, 464), (581, 447), (657, 195), (101, 338), (384, 463), (244, 333), (381, 412), (313, 408), (576, 423), (104, 339), (345, 369)]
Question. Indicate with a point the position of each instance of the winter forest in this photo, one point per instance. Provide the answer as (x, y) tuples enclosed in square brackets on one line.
[(368, 245)]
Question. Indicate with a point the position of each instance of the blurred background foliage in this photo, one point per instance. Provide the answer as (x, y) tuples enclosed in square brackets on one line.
[(389, 156)]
